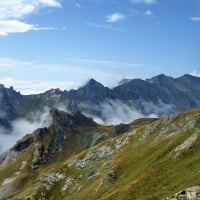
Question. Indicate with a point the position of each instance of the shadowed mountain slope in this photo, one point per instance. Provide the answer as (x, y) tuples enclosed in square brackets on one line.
[(160, 96)]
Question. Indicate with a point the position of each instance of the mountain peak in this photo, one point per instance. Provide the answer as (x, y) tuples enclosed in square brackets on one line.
[(93, 83), (70, 121), (188, 76), (159, 77), (123, 81)]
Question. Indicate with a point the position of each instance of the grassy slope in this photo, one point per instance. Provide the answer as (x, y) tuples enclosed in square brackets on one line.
[(145, 169)]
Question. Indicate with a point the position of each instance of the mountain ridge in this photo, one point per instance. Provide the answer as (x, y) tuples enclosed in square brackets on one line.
[(176, 94), (153, 159)]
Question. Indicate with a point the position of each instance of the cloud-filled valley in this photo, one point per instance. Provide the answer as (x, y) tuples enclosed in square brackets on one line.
[(111, 112), (117, 111), (22, 126)]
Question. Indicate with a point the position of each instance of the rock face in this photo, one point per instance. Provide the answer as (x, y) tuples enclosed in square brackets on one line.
[(68, 133), (10, 100), (21, 145), (93, 92), (121, 128), (192, 193), (52, 140)]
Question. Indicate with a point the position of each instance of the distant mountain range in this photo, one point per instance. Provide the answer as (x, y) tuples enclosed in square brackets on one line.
[(158, 96)]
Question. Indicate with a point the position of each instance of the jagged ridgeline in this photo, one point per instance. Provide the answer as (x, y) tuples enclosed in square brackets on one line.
[(131, 99), (77, 159)]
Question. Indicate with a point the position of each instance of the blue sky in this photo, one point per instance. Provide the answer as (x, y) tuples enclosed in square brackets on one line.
[(61, 43)]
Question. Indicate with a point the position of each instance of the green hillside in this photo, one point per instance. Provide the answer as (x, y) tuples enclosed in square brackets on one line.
[(154, 160)]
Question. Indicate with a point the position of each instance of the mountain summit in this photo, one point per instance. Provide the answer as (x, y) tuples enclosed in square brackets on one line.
[(92, 92), (159, 96)]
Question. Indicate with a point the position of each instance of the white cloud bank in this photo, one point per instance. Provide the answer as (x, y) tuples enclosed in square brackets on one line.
[(117, 111), (13, 11)]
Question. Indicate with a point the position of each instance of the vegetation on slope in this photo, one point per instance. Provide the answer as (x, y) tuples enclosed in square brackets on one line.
[(151, 161)]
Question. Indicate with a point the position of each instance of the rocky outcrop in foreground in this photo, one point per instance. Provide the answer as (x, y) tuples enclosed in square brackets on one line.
[(192, 193)]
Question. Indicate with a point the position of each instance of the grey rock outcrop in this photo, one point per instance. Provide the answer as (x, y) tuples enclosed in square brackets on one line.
[(192, 193)]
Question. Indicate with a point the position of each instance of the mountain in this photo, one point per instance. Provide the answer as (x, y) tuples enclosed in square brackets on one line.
[(93, 92), (158, 96), (75, 158), (10, 102), (183, 92)]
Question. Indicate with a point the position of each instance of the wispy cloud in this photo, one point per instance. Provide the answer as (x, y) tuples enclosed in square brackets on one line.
[(32, 77), (104, 26), (78, 5), (196, 19), (15, 26), (195, 73), (100, 26), (115, 17), (13, 12), (149, 2), (108, 63), (149, 13)]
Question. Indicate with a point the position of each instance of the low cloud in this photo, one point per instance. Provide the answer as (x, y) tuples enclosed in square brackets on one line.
[(115, 17), (110, 112), (116, 111), (21, 127)]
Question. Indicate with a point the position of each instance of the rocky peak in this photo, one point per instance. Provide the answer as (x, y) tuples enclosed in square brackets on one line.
[(160, 80), (9, 100), (70, 121), (92, 86), (189, 81), (123, 81), (93, 92), (92, 82), (54, 91), (65, 129)]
